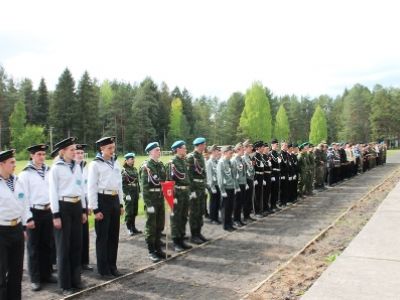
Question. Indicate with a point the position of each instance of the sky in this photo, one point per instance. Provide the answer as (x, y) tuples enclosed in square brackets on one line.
[(211, 47)]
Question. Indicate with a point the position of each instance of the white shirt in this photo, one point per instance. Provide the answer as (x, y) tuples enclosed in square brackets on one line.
[(12, 204), (102, 176), (35, 186), (64, 182)]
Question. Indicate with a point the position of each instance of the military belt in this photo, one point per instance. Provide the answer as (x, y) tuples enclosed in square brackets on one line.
[(198, 180), (155, 190), (41, 206), (132, 184), (267, 172), (277, 170), (260, 173), (70, 199), (182, 187), (109, 192), (13, 222)]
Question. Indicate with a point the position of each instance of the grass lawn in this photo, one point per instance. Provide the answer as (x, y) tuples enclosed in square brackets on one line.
[(138, 162), (392, 151)]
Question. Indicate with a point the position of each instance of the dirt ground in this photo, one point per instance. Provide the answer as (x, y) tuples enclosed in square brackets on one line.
[(296, 278), (232, 264)]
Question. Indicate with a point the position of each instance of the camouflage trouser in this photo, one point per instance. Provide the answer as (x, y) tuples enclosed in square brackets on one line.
[(196, 210), (155, 221), (131, 207), (302, 183), (319, 176), (309, 181), (180, 214)]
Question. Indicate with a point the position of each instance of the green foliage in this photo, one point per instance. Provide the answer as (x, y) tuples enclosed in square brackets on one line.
[(318, 130), (355, 115), (176, 122), (42, 111), (30, 100), (17, 124), (64, 108), (229, 129), (281, 129), (255, 121), (33, 134), (382, 117)]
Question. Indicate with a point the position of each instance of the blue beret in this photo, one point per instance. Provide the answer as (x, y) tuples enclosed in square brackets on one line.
[(151, 146), (129, 155), (177, 144), (199, 141)]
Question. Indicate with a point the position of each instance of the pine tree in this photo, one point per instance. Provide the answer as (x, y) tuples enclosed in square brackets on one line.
[(381, 113), (355, 115), (281, 129), (255, 121), (17, 125), (64, 108), (231, 116), (318, 130), (88, 113), (176, 121), (42, 111), (29, 96)]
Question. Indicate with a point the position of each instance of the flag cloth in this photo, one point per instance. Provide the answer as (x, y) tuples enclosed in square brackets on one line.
[(168, 191)]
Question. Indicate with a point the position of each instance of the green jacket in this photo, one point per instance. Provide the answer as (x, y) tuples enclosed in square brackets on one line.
[(130, 179), (177, 171), (196, 171), (151, 174)]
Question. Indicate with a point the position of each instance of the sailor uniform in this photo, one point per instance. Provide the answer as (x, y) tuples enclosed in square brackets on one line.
[(12, 218), (41, 238), (67, 203), (106, 196)]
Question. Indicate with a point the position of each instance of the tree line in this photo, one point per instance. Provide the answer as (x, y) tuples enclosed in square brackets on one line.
[(138, 113)]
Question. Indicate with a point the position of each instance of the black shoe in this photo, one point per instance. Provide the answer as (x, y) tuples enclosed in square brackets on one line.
[(196, 240), (185, 246), (202, 238), (233, 228), (136, 231), (79, 286), (237, 224), (68, 292), (178, 247), (230, 229), (243, 223), (35, 286), (258, 216), (86, 267), (154, 257), (215, 222), (162, 254), (115, 273), (162, 244), (106, 277), (51, 279)]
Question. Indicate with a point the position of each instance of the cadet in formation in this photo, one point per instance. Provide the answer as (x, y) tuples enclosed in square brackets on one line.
[(131, 189), (151, 173), (13, 209), (34, 179), (212, 183), (69, 213), (250, 172), (106, 200), (239, 168), (198, 188), (177, 171)]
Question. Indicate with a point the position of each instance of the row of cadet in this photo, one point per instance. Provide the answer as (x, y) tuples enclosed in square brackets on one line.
[(240, 180)]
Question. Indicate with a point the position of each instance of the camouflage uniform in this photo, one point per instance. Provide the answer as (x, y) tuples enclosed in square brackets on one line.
[(198, 182), (131, 189), (151, 175)]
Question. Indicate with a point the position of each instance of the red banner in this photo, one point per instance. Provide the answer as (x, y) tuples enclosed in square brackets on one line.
[(168, 191)]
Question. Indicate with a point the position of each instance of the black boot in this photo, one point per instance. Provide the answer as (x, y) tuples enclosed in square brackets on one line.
[(195, 239), (202, 237), (160, 253), (133, 228), (152, 253), (178, 245), (129, 227), (184, 245)]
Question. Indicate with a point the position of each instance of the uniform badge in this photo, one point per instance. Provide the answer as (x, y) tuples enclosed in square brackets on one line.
[(20, 195), (78, 182)]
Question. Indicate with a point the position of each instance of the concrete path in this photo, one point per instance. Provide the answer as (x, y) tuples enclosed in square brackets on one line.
[(370, 266)]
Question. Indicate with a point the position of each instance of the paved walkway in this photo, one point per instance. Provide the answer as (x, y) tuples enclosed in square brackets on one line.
[(370, 266)]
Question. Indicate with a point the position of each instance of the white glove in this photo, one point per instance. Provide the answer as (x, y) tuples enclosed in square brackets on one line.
[(269, 163), (224, 194), (264, 183), (205, 190), (279, 160), (247, 187), (151, 210), (128, 198), (294, 177), (272, 178), (237, 190), (255, 182), (175, 201), (193, 195), (213, 190)]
